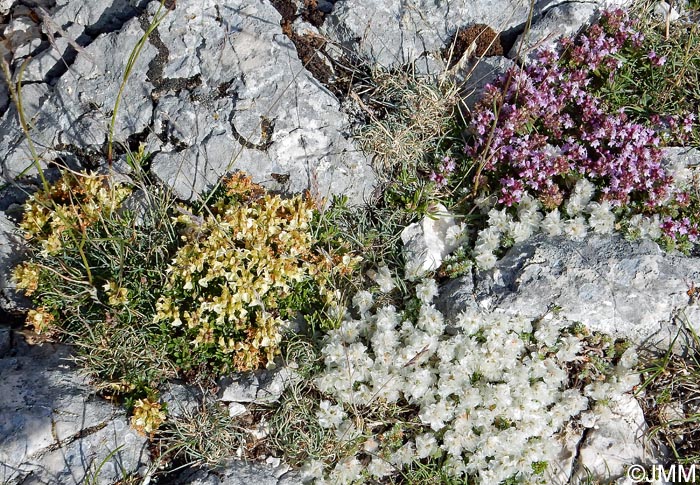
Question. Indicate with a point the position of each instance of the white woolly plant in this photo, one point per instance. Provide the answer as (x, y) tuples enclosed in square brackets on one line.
[(579, 216), (490, 393)]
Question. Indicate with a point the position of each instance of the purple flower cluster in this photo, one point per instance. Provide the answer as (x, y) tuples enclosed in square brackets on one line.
[(548, 126), (445, 170), (681, 229), (655, 59), (673, 129)]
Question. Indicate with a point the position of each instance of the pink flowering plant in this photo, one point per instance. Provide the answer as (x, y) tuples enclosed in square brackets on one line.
[(543, 127)]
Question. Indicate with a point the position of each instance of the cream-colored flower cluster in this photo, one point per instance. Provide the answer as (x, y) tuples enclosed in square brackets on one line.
[(58, 217), (40, 319), (73, 203), (147, 415), (26, 277), (227, 283)]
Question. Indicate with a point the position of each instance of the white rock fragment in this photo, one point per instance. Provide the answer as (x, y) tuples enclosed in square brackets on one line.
[(5, 6), (236, 409), (262, 386), (560, 470), (616, 442), (666, 12), (428, 242)]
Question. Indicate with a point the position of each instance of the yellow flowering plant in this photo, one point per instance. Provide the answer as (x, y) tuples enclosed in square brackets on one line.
[(147, 415), (94, 270), (76, 201), (175, 291), (56, 224), (232, 285)]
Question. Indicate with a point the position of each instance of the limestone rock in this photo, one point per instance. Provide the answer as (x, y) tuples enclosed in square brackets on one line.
[(74, 115), (262, 386), (5, 340), (97, 16), (427, 242), (616, 442), (560, 471), (395, 32), (4, 98), (678, 158), (236, 409), (180, 399), (240, 473), (253, 107), (53, 430), (11, 245), (242, 388), (665, 11), (218, 87), (457, 295), (559, 21), (5, 6), (475, 75), (20, 31), (627, 289)]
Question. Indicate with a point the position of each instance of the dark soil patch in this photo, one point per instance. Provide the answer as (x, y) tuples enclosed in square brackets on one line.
[(309, 50), (337, 76), (286, 8), (309, 47), (486, 43), (312, 14)]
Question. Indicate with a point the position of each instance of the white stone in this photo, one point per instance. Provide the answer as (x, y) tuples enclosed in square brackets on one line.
[(5, 6), (560, 470), (262, 386), (666, 12), (236, 409), (427, 242), (616, 442)]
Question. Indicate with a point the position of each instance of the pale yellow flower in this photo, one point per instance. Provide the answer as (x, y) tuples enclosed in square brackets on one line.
[(148, 416), (26, 277), (39, 319), (117, 295)]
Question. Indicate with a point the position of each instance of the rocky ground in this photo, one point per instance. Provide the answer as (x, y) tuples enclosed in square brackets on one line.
[(261, 86)]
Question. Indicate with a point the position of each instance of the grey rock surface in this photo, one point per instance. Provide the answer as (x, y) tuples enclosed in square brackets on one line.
[(72, 116), (627, 289), (181, 400), (262, 386), (11, 244), (681, 157), (475, 75), (53, 430), (218, 87), (615, 443), (557, 22), (254, 107), (396, 32), (4, 98), (5, 340), (240, 473)]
